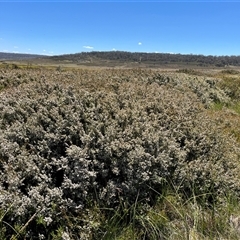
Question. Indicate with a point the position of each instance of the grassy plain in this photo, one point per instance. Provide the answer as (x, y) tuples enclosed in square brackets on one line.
[(116, 151)]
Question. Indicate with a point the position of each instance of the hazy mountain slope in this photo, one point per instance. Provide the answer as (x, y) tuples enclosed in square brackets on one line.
[(18, 56)]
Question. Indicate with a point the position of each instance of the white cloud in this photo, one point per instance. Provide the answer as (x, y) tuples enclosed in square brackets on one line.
[(139, 43), (5, 51), (45, 52), (114, 49), (88, 47), (15, 46)]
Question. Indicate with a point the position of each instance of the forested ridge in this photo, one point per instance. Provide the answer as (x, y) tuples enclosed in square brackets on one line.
[(163, 58), (140, 57)]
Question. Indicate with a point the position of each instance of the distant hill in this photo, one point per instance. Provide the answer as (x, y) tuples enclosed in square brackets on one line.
[(18, 56), (116, 58), (149, 58)]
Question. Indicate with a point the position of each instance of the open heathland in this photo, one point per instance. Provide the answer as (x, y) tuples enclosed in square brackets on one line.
[(119, 153)]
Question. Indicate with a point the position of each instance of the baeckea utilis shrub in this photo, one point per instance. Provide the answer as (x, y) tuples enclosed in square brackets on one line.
[(64, 146)]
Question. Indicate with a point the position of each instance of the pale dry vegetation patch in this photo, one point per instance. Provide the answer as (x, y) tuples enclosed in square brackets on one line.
[(78, 148)]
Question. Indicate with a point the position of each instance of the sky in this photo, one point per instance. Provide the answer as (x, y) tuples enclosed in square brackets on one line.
[(54, 27)]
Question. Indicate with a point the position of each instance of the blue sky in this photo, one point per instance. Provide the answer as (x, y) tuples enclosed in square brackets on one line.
[(61, 27)]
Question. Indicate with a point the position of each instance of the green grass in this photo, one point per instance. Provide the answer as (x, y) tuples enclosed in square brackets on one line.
[(232, 106), (173, 217), (236, 107)]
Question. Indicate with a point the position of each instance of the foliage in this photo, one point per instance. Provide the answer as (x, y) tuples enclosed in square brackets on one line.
[(159, 58), (230, 71), (230, 84), (74, 145)]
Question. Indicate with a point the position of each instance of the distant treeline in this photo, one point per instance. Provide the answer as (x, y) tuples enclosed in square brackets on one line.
[(161, 58), (18, 56), (122, 56)]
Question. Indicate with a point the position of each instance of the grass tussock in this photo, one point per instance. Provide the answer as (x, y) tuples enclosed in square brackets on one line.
[(116, 154)]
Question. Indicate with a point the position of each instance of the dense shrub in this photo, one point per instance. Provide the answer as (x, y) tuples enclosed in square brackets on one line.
[(230, 71), (206, 88), (70, 140), (230, 85)]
